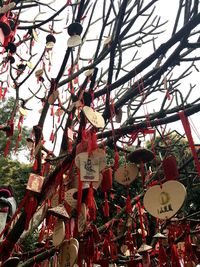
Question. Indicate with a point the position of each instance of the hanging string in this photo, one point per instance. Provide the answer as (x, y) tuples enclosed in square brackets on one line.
[(194, 128)]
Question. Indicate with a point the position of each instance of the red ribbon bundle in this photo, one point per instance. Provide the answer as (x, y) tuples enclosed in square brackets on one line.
[(30, 208), (170, 168), (91, 203)]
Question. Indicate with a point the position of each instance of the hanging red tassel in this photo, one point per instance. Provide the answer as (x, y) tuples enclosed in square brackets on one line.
[(106, 183), (104, 262), (92, 142), (20, 122), (19, 138), (187, 129), (95, 233), (90, 248), (35, 165), (52, 111), (116, 160), (30, 208), (162, 256), (106, 208), (11, 130), (128, 204), (106, 248), (170, 168), (91, 203), (132, 263), (174, 256), (8, 142), (80, 193), (51, 138), (188, 253)]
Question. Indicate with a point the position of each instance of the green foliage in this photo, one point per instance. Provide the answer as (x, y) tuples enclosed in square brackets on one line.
[(14, 174), (6, 109), (28, 243)]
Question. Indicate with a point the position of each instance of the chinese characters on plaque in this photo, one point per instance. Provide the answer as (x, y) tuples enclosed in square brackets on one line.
[(35, 183)]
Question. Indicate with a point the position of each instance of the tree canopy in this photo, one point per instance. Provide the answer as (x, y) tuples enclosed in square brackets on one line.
[(95, 79)]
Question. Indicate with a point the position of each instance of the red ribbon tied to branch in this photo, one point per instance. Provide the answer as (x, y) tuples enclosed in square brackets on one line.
[(186, 126)]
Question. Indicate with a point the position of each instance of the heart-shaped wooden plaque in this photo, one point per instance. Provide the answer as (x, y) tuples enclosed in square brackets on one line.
[(163, 202)]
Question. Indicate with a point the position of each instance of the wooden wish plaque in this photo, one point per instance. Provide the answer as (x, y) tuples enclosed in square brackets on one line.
[(94, 117), (58, 233), (35, 183), (90, 166), (163, 202), (126, 174)]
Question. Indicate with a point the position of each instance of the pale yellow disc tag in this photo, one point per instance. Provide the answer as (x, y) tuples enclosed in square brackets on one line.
[(94, 117)]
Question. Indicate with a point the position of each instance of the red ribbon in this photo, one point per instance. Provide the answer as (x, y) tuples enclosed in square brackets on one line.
[(186, 126)]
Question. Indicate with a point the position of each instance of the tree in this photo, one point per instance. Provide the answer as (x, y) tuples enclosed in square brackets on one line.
[(114, 85), (18, 140)]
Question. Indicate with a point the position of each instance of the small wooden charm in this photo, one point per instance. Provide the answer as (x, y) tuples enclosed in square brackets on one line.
[(59, 211), (144, 248)]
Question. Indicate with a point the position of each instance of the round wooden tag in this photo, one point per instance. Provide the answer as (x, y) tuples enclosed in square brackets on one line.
[(58, 233), (50, 45), (94, 117), (126, 174), (39, 73), (74, 41), (89, 72), (163, 202)]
